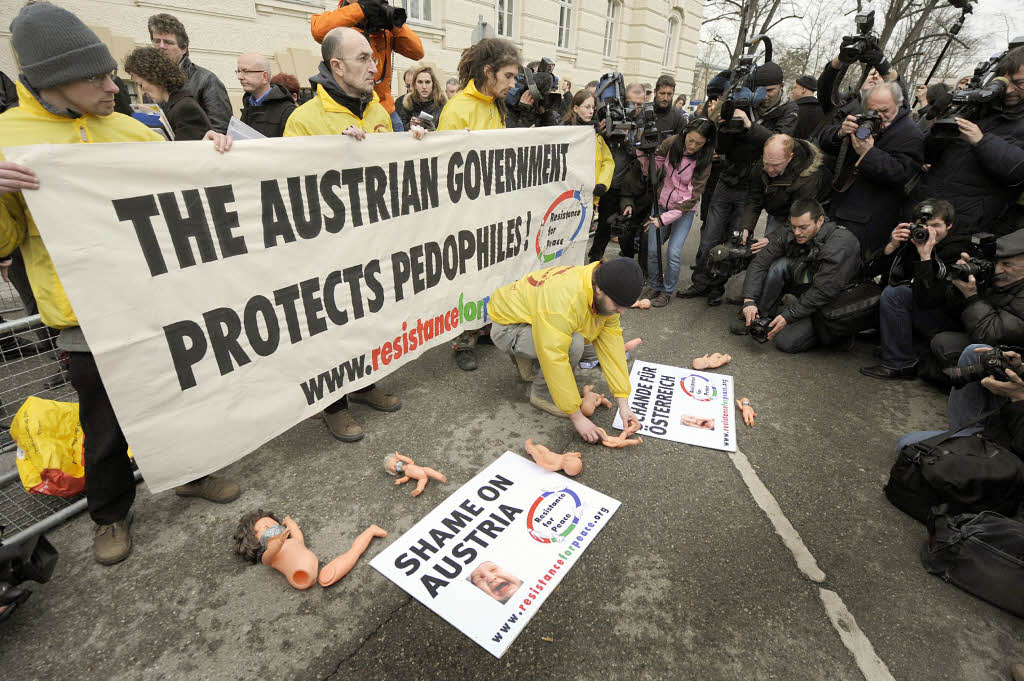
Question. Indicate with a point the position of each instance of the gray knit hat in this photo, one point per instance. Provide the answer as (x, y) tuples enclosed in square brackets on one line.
[(54, 47)]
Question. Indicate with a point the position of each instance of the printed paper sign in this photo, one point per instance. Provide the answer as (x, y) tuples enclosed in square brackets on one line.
[(683, 405), (489, 556), (227, 297)]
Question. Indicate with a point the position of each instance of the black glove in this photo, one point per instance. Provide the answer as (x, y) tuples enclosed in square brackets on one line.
[(849, 49), (599, 190), (873, 57)]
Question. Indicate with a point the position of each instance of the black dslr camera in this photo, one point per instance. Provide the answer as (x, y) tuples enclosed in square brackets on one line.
[(982, 263), (379, 16), (869, 124), (729, 258), (919, 230), (864, 46), (759, 329), (992, 362)]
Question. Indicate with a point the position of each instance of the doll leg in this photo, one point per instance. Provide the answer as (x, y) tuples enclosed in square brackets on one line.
[(340, 566), (435, 475), (420, 486)]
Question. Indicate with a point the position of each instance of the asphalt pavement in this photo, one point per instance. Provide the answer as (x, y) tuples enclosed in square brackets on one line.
[(689, 580)]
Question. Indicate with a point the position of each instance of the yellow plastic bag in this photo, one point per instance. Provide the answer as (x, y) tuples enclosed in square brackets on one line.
[(50, 445)]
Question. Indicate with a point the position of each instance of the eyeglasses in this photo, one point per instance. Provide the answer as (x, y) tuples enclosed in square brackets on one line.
[(246, 71), (364, 59), (1017, 83), (101, 78)]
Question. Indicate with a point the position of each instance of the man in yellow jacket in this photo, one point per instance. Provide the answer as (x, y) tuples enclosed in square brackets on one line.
[(66, 93), (346, 104), (548, 315)]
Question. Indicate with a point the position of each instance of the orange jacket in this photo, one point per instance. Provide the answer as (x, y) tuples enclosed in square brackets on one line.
[(403, 40)]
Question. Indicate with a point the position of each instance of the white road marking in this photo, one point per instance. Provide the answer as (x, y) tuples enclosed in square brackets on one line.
[(870, 665), (790, 537)]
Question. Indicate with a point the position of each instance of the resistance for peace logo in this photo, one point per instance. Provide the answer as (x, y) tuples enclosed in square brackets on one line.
[(554, 515), (698, 387), (562, 223)]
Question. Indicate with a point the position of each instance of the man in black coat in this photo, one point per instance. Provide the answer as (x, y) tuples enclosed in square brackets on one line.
[(265, 106), (169, 36), (741, 150), (919, 298), (815, 260), (982, 172), (669, 119), (869, 188), (810, 112)]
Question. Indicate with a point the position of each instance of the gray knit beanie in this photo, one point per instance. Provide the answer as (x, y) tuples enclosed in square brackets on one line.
[(54, 47)]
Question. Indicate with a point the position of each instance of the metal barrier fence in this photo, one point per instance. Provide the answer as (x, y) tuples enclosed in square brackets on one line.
[(29, 365)]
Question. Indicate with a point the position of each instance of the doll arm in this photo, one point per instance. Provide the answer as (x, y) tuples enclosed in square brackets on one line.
[(293, 528), (403, 458)]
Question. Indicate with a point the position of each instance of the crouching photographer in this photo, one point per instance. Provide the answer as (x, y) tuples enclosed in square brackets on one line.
[(991, 282), (814, 260), (920, 297)]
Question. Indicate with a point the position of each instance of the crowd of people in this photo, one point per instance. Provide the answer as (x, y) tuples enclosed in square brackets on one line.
[(873, 221)]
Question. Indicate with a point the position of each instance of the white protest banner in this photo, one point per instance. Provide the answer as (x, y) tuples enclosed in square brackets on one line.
[(228, 297), (491, 553), (683, 405)]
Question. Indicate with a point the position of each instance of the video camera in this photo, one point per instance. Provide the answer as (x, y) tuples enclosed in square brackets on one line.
[(740, 96), (379, 16), (646, 136), (610, 98), (729, 258), (542, 84), (864, 46), (982, 264), (919, 232), (992, 362)]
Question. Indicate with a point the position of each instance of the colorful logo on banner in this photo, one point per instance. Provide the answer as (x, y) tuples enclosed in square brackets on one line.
[(562, 223), (698, 387), (550, 519)]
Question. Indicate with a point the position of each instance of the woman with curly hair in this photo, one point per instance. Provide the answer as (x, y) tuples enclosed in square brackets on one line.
[(164, 82), (426, 95)]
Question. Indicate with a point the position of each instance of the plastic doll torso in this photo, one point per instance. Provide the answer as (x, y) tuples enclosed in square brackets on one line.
[(297, 563)]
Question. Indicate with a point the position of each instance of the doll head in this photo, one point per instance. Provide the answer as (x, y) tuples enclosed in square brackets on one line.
[(247, 541), (394, 465)]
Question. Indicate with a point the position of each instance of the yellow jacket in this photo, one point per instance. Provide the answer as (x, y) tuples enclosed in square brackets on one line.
[(324, 116), (30, 123), (469, 108), (604, 162), (558, 302)]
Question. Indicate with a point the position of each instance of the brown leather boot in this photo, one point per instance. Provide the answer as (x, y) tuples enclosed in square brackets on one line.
[(113, 543), (377, 399), (211, 488), (343, 426)]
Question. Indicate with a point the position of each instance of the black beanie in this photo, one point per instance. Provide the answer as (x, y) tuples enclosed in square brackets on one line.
[(621, 280), (54, 47), (768, 73)]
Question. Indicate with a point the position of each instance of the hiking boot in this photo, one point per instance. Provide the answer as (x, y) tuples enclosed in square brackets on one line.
[(466, 359), (343, 426), (526, 367), (540, 397), (739, 327), (661, 300), (648, 292), (691, 292), (377, 399), (211, 488), (113, 543)]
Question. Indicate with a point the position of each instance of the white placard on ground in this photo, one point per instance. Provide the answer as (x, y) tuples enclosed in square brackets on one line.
[(683, 405), (487, 557)]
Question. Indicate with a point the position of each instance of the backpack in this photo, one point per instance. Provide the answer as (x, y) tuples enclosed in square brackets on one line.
[(982, 554), (969, 474)]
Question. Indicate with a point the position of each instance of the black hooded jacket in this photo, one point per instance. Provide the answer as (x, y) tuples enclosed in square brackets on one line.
[(270, 116), (806, 177)]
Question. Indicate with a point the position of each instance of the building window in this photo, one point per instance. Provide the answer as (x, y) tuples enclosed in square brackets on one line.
[(611, 28), (417, 10), (564, 23), (668, 60), (505, 9)]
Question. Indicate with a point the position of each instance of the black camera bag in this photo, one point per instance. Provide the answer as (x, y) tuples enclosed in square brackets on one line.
[(969, 474), (854, 310), (982, 554)]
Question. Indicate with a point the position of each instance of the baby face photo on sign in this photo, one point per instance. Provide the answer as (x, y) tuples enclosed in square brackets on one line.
[(495, 581)]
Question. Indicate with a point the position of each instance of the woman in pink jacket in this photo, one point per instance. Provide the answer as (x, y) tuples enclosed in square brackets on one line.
[(684, 164)]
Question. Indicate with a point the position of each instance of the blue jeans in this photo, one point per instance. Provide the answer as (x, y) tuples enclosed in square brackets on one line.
[(899, 318), (677, 231), (396, 122), (965, 404)]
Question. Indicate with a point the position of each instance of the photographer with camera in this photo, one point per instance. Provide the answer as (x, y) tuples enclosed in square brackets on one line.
[(880, 150), (982, 172), (384, 26), (993, 293), (789, 169), (741, 142), (814, 260), (919, 298), (683, 162), (535, 101)]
